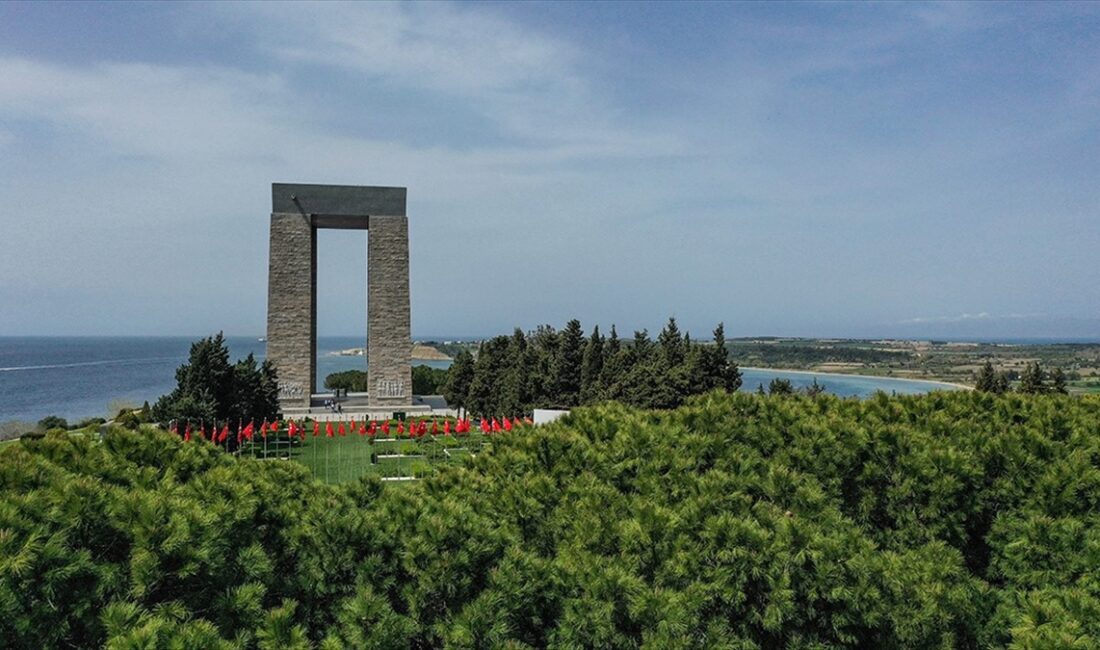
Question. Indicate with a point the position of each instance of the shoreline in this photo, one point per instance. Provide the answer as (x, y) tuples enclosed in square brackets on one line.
[(848, 374)]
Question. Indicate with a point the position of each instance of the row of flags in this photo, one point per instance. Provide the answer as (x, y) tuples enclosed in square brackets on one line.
[(413, 429)]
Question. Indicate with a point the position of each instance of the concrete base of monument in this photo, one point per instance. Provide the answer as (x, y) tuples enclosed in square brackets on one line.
[(358, 405)]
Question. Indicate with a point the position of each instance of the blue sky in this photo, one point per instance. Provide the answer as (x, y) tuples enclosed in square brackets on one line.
[(791, 169)]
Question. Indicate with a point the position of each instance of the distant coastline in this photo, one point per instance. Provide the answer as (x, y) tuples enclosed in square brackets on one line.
[(419, 353)]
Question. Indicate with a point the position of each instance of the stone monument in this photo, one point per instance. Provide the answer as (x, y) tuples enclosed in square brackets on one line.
[(297, 211)]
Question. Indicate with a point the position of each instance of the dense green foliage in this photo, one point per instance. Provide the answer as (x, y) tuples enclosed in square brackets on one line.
[(426, 380), (209, 387), (353, 381), (737, 521), (548, 368)]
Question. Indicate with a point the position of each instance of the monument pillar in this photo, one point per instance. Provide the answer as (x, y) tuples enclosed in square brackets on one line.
[(292, 307), (389, 344)]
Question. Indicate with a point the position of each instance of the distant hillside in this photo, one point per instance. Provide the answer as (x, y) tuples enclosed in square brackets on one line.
[(427, 353)]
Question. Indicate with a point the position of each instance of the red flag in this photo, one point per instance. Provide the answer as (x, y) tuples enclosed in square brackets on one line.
[(352, 429), (342, 431), (328, 428), (275, 428), (224, 433), (187, 432), (422, 428), (363, 428), (373, 429), (507, 424), (435, 427), (316, 429), (386, 427), (263, 429), (484, 425), (400, 427), (446, 427), (301, 432), (291, 429)]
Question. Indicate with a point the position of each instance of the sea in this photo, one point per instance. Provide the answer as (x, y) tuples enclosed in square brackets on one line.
[(80, 377)]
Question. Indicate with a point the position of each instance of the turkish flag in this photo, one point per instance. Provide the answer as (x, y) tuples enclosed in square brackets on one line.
[(328, 429), (386, 427), (342, 431), (400, 427)]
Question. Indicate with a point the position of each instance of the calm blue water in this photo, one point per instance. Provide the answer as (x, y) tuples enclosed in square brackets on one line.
[(76, 377)]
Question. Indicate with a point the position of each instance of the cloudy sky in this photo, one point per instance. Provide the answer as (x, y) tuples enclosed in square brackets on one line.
[(804, 169)]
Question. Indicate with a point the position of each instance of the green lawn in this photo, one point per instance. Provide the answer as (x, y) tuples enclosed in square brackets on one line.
[(339, 459)]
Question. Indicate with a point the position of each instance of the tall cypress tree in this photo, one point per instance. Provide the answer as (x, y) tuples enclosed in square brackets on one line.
[(672, 343), (614, 364), (514, 386), (726, 373), (592, 367), (461, 374), (986, 380), (567, 369)]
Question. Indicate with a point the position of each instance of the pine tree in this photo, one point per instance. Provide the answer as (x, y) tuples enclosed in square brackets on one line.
[(726, 373), (592, 367), (456, 390), (1058, 382), (671, 343), (567, 366), (514, 386), (1032, 380), (986, 381), (779, 386), (208, 387), (489, 371)]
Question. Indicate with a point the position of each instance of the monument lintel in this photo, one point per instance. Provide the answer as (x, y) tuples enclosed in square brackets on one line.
[(337, 200)]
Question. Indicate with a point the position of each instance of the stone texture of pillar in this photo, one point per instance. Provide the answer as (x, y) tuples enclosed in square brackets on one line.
[(389, 342), (291, 311)]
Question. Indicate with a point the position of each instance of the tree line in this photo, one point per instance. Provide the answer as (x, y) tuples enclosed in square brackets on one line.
[(548, 368), (1033, 380), (947, 520)]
